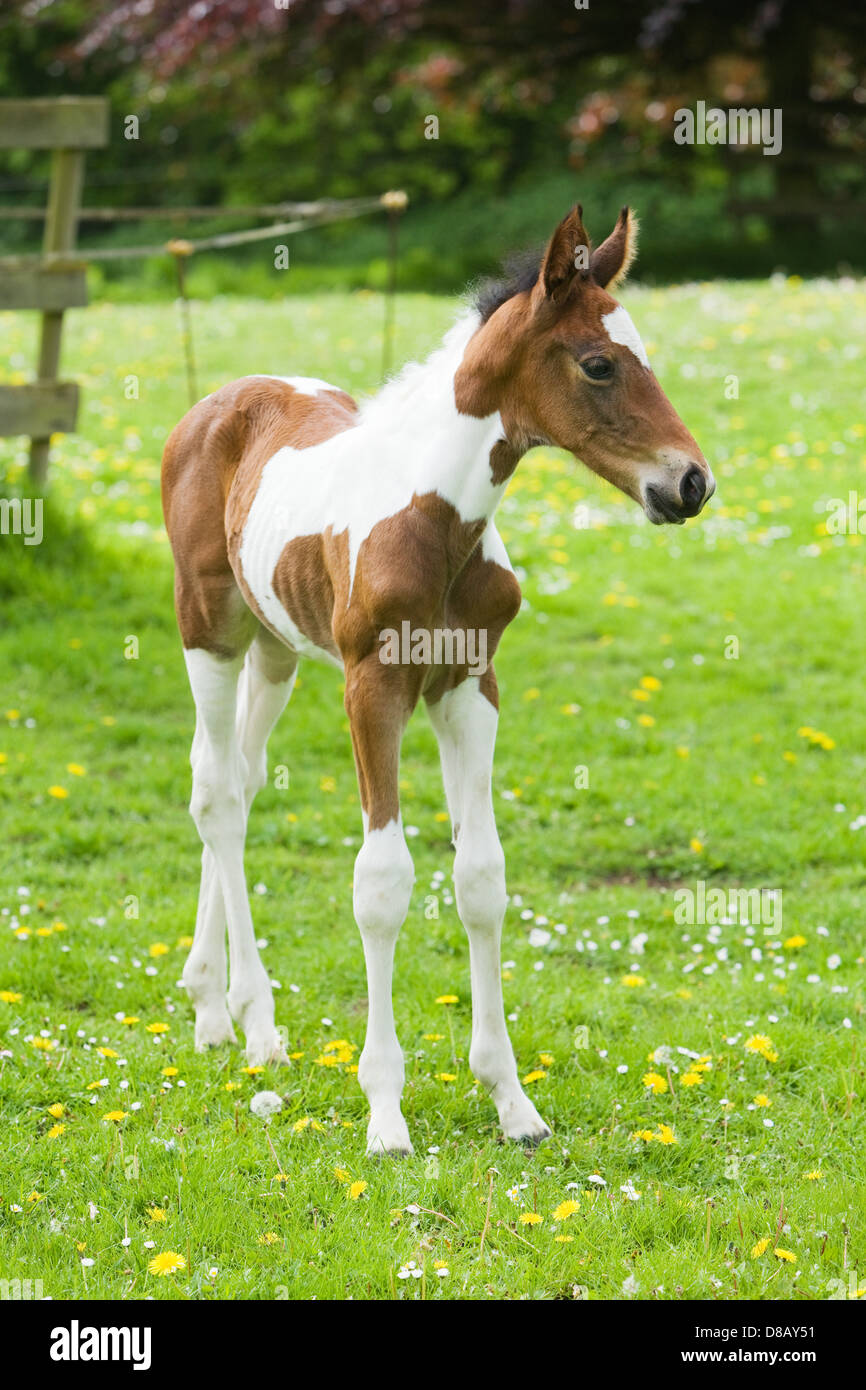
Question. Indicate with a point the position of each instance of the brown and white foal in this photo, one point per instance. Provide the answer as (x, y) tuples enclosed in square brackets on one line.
[(305, 525)]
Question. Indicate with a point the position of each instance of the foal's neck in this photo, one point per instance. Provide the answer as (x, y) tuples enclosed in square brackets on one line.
[(441, 449)]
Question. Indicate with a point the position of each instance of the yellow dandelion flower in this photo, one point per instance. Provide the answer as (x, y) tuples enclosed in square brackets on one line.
[(762, 1245), (786, 1255), (169, 1071), (157, 1027), (130, 1020), (793, 943), (814, 1175), (433, 1037), (107, 1052), (166, 1264), (447, 999), (342, 1175), (56, 1110), (9, 996), (60, 793), (545, 1059), (666, 1135), (695, 845), (563, 1240), (537, 1075), (75, 769), (158, 948), (157, 1214), (762, 1100), (55, 1131), (656, 1083), (355, 1189), (645, 1134), (115, 1115), (691, 1078), (530, 1218), (566, 1209), (269, 1238), (650, 683), (446, 1076), (633, 981)]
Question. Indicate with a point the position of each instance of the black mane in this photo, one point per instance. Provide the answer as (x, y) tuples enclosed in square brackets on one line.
[(522, 273)]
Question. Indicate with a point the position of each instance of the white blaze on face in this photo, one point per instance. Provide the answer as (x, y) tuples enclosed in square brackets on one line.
[(620, 329)]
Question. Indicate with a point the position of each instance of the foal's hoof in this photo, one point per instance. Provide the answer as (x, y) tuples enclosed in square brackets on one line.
[(389, 1140), (265, 1050), (522, 1123), (533, 1139), (213, 1030)]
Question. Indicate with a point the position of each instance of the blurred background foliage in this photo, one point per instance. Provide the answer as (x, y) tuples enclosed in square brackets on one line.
[(538, 105)]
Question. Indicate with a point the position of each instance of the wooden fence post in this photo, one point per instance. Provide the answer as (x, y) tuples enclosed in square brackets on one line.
[(67, 126)]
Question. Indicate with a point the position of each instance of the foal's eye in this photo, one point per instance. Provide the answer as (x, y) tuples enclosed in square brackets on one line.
[(597, 368)]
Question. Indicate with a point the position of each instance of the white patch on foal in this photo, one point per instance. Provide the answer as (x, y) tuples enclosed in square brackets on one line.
[(409, 439), (305, 385), (620, 329)]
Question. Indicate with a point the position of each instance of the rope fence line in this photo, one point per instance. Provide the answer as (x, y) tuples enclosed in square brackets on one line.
[(308, 215), (317, 215), (138, 214)]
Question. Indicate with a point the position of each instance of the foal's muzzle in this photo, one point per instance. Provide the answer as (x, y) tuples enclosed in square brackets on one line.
[(680, 500)]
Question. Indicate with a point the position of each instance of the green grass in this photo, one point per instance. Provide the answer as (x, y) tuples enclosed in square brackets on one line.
[(722, 786)]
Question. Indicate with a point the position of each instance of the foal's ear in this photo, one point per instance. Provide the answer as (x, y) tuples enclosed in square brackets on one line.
[(566, 257), (610, 262)]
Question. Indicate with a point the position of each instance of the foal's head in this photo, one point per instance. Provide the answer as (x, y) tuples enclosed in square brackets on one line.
[(562, 362)]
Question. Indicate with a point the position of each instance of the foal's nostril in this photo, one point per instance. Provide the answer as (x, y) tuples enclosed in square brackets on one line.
[(692, 489)]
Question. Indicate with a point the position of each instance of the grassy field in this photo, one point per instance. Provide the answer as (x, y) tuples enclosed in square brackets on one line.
[(704, 1082)]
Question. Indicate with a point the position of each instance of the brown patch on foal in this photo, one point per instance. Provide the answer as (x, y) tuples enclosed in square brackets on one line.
[(211, 469)]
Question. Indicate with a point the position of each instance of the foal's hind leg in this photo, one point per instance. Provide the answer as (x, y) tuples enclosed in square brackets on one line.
[(219, 806), (265, 685), (465, 722)]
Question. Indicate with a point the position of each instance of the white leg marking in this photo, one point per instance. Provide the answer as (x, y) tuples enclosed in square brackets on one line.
[(465, 724), (383, 886), (223, 786)]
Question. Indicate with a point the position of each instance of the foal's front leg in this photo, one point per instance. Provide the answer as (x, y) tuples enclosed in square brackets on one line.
[(378, 705), (465, 722)]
